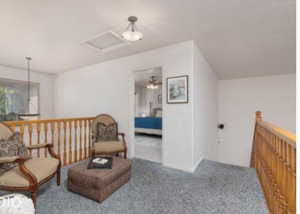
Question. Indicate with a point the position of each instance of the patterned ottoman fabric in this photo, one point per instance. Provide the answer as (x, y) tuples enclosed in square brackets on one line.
[(98, 184)]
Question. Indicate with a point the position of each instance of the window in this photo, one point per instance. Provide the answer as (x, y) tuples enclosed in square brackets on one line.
[(14, 99)]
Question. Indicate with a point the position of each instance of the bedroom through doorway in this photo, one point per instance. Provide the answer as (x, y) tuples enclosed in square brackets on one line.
[(148, 114)]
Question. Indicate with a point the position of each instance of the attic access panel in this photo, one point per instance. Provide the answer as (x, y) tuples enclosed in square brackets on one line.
[(106, 41)]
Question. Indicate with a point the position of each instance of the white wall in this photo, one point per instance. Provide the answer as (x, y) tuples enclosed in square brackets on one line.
[(46, 87), (109, 88), (205, 109), (275, 96)]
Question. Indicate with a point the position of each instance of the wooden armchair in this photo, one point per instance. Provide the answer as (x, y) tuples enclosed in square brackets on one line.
[(29, 173), (105, 137)]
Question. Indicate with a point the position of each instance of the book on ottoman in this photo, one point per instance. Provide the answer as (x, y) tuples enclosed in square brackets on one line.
[(100, 163)]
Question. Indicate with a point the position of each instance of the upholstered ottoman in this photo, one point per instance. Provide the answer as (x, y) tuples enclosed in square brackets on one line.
[(98, 184)]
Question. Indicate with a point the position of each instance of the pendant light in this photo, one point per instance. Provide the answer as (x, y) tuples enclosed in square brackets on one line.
[(28, 79), (132, 34), (28, 114)]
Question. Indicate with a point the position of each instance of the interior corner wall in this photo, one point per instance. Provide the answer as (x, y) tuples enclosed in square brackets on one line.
[(205, 109), (275, 96), (46, 82), (109, 88)]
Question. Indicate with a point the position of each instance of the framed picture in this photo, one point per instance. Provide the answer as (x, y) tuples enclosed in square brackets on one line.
[(177, 89)]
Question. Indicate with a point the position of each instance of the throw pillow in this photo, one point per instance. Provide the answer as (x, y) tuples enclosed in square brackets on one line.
[(106, 132), (11, 147)]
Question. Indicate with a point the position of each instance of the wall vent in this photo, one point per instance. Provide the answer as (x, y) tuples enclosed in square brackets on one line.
[(106, 41)]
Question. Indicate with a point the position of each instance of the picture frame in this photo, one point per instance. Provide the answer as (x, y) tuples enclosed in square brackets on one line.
[(178, 90)]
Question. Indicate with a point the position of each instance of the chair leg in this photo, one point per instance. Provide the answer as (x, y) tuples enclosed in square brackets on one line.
[(58, 177), (33, 197), (125, 154)]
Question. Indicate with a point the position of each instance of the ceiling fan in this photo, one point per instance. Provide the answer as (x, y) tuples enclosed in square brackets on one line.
[(153, 83)]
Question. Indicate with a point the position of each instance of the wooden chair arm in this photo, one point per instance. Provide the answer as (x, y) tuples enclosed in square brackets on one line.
[(45, 145), (39, 146), (33, 182), (123, 139), (122, 134), (52, 153)]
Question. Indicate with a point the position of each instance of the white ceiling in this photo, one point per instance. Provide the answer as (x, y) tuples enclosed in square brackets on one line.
[(239, 38)]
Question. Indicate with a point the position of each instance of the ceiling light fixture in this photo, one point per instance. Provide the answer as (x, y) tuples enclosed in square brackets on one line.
[(153, 83), (28, 79), (29, 104), (152, 86), (132, 34)]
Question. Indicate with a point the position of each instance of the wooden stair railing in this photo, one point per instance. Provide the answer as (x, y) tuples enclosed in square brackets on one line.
[(274, 158), (70, 136)]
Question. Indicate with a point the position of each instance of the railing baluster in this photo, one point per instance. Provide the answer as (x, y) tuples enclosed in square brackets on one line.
[(59, 139), (76, 140), (22, 132), (89, 137), (70, 143), (46, 136), (52, 127), (30, 137), (80, 140), (70, 137), (84, 139), (38, 128), (65, 143)]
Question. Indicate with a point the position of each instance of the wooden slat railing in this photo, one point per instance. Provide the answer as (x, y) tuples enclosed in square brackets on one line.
[(70, 136), (274, 157)]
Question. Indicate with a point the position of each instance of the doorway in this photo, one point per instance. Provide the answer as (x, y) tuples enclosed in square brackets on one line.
[(148, 114)]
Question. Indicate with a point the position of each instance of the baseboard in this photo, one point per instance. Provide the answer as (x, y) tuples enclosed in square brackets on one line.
[(190, 170), (196, 165)]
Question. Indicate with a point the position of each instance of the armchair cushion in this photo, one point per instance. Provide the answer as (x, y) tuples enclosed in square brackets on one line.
[(106, 132), (11, 147), (109, 147), (40, 167)]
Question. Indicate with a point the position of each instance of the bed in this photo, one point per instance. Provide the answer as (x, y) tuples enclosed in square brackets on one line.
[(148, 125)]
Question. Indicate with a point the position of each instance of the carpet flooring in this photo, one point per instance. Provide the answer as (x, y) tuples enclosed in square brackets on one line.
[(148, 140), (148, 147), (153, 189)]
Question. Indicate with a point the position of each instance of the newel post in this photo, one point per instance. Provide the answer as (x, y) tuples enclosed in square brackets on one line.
[(258, 117)]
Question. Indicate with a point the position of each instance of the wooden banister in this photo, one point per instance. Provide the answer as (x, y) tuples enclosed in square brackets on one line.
[(66, 134), (274, 158)]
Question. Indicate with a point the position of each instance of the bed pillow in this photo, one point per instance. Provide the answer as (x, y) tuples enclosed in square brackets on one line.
[(107, 132), (159, 113)]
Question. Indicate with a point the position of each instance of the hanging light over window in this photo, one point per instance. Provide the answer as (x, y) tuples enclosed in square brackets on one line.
[(31, 112), (132, 34)]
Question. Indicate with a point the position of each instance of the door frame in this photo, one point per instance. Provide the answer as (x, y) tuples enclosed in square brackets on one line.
[(132, 111)]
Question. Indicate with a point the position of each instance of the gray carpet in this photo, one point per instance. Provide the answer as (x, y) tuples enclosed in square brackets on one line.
[(153, 189)]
